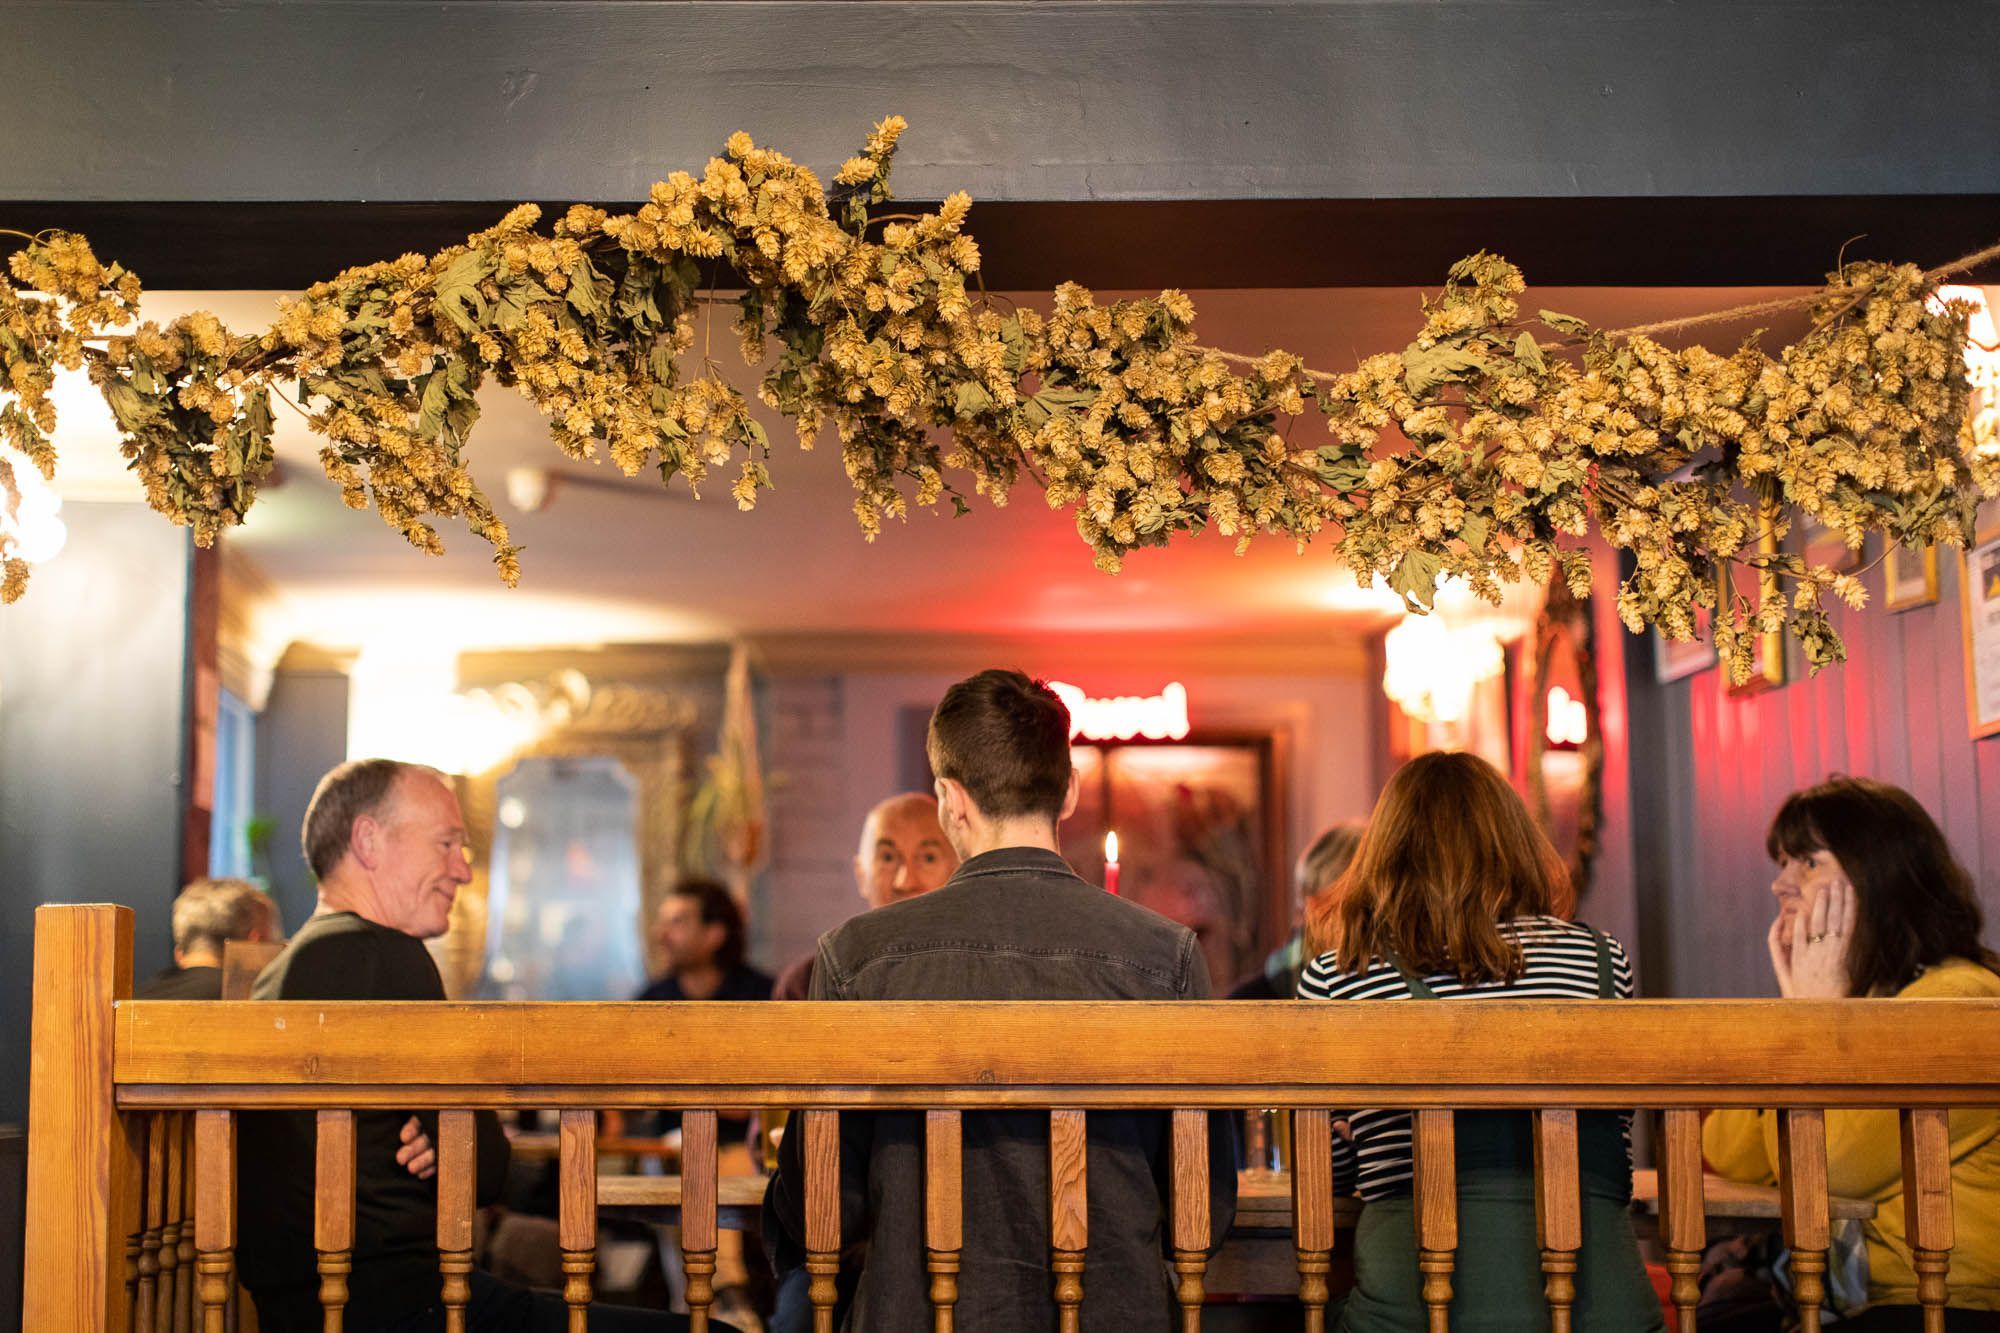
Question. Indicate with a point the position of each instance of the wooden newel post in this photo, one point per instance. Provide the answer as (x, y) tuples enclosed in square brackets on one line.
[(83, 1162)]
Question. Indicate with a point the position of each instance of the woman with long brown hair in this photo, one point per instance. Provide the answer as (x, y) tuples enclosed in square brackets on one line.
[(1456, 894), (1871, 902)]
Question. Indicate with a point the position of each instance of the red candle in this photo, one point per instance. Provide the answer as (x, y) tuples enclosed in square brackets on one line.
[(1111, 863)]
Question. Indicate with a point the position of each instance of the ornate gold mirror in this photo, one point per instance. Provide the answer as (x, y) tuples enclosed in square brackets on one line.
[(603, 737)]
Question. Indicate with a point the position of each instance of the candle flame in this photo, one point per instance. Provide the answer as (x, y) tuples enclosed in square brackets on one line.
[(1111, 849)]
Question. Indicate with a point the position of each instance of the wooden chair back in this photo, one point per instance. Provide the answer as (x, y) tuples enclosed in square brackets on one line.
[(242, 962)]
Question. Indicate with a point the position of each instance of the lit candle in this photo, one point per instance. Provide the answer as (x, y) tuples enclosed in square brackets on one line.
[(1111, 863)]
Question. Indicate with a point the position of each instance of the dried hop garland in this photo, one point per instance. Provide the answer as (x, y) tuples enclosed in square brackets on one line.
[(1481, 451)]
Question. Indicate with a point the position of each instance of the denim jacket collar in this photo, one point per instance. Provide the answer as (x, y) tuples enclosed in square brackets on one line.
[(1013, 861)]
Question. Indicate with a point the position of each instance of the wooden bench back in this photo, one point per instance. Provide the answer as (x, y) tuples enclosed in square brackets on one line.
[(114, 1081)]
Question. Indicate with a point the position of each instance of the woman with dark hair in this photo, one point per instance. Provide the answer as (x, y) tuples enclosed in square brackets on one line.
[(1871, 902), (1456, 894)]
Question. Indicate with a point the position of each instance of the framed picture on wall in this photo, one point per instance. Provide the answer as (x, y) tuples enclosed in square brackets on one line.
[(1909, 578), (1979, 589), (1672, 660), (1821, 545)]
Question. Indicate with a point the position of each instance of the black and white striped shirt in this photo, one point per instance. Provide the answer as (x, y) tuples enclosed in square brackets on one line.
[(1559, 963)]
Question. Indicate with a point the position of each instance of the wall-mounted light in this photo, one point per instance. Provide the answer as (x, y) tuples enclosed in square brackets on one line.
[(1569, 721), (404, 703), (1430, 668)]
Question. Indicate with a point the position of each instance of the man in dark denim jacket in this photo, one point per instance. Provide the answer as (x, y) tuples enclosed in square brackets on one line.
[(1014, 923)]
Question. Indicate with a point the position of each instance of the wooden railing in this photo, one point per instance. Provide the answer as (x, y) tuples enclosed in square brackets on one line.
[(113, 1183)]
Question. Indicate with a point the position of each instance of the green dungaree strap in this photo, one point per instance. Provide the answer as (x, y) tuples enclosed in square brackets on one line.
[(1497, 1285)]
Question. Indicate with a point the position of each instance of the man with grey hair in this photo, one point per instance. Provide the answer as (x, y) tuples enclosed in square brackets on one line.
[(386, 841), (208, 914)]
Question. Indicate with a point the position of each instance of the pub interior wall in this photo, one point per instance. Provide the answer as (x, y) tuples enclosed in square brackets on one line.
[(93, 677), (1710, 769), (833, 749)]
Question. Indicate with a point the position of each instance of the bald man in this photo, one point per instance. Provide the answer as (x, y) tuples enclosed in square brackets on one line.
[(903, 853)]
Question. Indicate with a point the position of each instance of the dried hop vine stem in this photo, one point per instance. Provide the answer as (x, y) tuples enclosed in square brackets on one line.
[(1483, 450)]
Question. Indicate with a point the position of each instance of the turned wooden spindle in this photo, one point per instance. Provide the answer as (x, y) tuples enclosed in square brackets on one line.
[(1436, 1207), (133, 1241), (944, 1213), (457, 1172), (1558, 1211), (1190, 1213), (333, 1214), (215, 1214), (170, 1225), (822, 1162), (1069, 1215), (184, 1298), (576, 1213), (699, 1169), (153, 1190), (1312, 1210), (1803, 1202), (1927, 1220), (1683, 1215)]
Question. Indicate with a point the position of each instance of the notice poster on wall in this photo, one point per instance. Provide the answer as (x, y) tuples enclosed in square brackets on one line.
[(1981, 585)]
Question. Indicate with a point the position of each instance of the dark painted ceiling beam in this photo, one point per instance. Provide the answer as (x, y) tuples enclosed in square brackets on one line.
[(1201, 244)]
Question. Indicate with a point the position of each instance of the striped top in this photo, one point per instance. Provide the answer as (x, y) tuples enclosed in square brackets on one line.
[(1560, 964)]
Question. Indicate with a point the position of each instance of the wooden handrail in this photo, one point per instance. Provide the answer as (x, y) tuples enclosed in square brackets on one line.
[(111, 1078), (1498, 1053)]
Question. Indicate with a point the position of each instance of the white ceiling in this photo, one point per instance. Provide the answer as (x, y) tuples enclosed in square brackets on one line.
[(628, 561)]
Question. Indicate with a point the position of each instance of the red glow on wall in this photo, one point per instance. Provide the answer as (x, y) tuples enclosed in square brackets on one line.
[(1157, 717)]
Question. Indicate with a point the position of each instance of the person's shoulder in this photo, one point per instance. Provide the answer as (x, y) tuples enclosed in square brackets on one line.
[(663, 988), (339, 956), (183, 983), (795, 981), (749, 983), (1325, 978), (1954, 978)]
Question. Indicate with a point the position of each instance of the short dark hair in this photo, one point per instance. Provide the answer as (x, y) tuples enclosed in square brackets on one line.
[(1915, 903), (1005, 738), (353, 789), (718, 908)]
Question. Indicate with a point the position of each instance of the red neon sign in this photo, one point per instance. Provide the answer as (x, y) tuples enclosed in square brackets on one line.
[(1157, 717)]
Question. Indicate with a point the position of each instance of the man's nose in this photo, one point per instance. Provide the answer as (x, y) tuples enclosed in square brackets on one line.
[(906, 877)]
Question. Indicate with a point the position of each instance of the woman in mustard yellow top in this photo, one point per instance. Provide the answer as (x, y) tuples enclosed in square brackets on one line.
[(1871, 901)]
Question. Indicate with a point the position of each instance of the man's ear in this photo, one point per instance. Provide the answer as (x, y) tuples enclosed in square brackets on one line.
[(954, 803), (1069, 798), (364, 841)]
